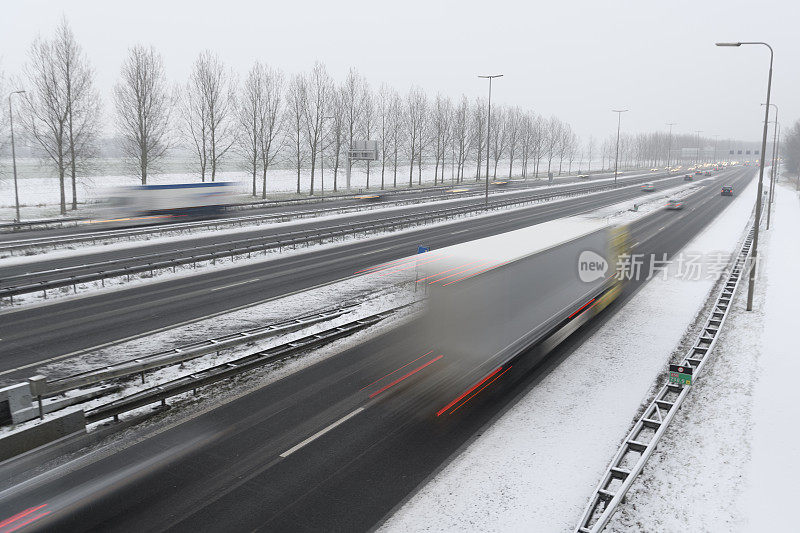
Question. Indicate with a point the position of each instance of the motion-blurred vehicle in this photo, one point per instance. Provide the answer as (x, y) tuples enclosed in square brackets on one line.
[(708, 173), (653, 170), (533, 286), (583, 176), (189, 199), (648, 187), (688, 177), (674, 204), (727, 191), (698, 172)]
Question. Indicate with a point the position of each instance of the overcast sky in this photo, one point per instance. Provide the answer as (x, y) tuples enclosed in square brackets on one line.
[(576, 60)]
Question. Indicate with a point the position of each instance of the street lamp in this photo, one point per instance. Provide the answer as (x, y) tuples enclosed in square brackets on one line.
[(619, 113), (488, 125), (669, 142), (697, 161), (774, 160), (752, 281), (13, 152)]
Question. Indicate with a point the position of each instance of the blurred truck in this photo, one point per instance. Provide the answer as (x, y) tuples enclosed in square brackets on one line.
[(192, 199)]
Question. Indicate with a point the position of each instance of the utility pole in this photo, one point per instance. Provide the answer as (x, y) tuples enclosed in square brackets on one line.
[(669, 143), (754, 250), (13, 153), (619, 113), (488, 126)]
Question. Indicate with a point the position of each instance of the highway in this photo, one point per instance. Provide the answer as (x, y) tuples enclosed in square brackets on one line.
[(310, 204), (328, 447), (41, 268), (37, 334)]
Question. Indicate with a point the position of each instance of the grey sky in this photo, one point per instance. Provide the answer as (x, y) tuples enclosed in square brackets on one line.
[(576, 60)]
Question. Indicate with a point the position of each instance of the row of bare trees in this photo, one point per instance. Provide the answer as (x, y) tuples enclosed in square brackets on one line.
[(306, 121)]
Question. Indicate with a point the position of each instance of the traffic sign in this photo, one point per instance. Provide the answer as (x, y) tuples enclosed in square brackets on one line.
[(680, 374)]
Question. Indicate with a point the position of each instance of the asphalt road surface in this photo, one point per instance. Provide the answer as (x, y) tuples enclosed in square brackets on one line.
[(322, 449), (33, 335)]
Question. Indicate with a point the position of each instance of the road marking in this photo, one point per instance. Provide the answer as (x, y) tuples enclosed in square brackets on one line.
[(321, 432), (661, 228), (235, 284), (378, 251), (460, 231)]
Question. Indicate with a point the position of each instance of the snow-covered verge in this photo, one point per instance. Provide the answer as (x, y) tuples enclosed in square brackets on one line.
[(730, 460), (39, 194), (372, 294), (536, 466)]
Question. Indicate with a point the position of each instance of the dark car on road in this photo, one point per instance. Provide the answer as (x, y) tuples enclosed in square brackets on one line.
[(688, 177), (727, 191), (674, 204)]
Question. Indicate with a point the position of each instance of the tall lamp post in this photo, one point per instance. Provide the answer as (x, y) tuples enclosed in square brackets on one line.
[(752, 281), (669, 143), (774, 161), (697, 161), (13, 152), (619, 113), (488, 126)]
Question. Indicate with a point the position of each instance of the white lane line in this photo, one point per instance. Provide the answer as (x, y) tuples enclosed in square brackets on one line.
[(321, 432), (235, 284), (378, 251), (460, 231), (661, 228)]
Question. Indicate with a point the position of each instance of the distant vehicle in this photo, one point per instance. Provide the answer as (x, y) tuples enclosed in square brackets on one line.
[(583, 176), (653, 170), (186, 199), (368, 197), (708, 173), (648, 187), (688, 177), (727, 191), (674, 204), (698, 172)]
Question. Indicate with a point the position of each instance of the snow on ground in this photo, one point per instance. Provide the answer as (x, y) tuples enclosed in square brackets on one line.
[(730, 461), (151, 239), (561, 436), (39, 193), (38, 298), (373, 294)]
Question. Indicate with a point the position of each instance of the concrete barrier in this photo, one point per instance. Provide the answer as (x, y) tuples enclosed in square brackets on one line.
[(50, 430)]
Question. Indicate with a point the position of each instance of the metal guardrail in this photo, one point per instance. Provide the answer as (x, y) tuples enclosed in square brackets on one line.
[(232, 368), (184, 353), (26, 245), (10, 227), (249, 246), (641, 441)]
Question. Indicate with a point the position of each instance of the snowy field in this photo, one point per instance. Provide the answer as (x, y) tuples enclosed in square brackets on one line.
[(730, 460), (39, 193), (563, 433)]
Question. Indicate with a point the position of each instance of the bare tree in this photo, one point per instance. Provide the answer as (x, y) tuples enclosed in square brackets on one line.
[(273, 115), (551, 141), (352, 99), (499, 136), (397, 131), (82, 101), (209, 112), (479, 133), (45, 108), (337, 132), (590, 145), (461, 136), (415, 108), (368, 118), (144, 106), (318, 89), (513, 134), (295, 109), (442, 122), (384, 111)]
